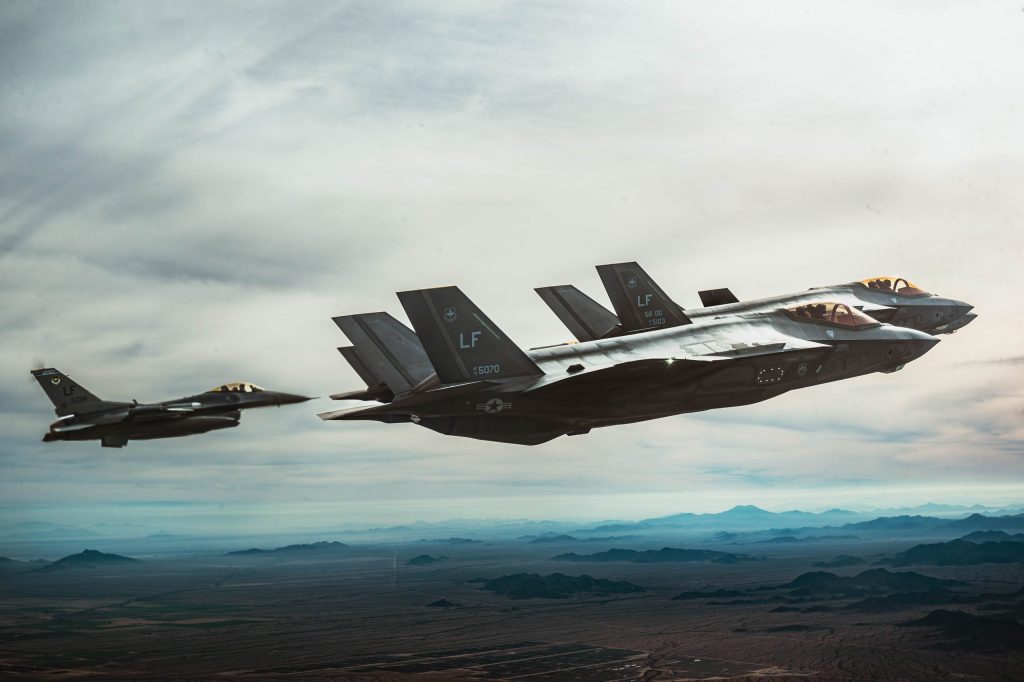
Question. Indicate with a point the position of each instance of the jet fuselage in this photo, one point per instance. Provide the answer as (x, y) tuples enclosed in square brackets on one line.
[(927, 312), (718, 361), (83, 416)]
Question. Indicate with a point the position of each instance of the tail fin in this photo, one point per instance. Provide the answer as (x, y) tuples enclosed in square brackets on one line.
[(462, 343), (66, 395), (587, 319), (386, 353), (712, 297), (638, 300), (376, 389), (359, 365)]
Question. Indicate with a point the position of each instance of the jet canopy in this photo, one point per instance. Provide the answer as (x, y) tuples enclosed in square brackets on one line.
[(831, 313), (237, 387), (894, 285)]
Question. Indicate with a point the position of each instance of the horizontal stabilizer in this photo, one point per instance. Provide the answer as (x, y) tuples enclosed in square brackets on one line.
[(584, 317), (638, 300), (382, 394), (462, 343), (709, 298), (366, 413)]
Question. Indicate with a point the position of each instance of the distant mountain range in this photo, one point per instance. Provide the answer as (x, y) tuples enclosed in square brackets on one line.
[(321, 547), (872, 580), (740, 517), (992, 536), (87, 559), (982, 522), (741, 523), (792, 539), (554, 538), (961, 553), (556, 586), (659, 556), (753, 518)]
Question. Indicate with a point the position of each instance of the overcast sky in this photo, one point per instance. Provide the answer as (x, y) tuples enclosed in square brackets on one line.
[(189, 192)]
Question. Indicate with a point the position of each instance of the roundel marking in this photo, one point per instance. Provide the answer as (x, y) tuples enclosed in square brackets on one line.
[(55, 381)]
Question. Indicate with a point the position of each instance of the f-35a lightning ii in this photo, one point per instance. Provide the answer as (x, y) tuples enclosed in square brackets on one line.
[(83, 416), (640, 304), (459, 374)]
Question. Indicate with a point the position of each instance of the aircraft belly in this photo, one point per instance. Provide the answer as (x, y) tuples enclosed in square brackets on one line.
[(147, 430)]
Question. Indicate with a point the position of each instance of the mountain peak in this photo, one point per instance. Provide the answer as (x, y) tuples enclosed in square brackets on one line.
[(746, 509)]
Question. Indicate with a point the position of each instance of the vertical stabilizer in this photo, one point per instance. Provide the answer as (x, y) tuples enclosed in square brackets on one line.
[(584, 317), (463, 344), (384, 351), (66, 395), (638, 300)]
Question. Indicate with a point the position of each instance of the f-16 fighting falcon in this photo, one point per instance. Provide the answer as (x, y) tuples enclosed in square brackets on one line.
[(83, 416), (459, 374), (640, 304)]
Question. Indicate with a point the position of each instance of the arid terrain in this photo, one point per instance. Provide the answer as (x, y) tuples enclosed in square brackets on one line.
[(362, 612)]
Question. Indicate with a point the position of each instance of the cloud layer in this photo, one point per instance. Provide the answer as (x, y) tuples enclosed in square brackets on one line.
[(188, 193)]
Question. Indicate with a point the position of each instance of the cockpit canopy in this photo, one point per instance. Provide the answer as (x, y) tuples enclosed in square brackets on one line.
[(827, 312), (894, 285), (237, 387)]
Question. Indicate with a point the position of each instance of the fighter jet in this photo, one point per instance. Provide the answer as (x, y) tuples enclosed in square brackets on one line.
[(460, 374), (83, 416), (640, 304)]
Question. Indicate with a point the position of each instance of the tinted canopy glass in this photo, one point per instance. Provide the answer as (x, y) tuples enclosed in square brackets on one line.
[(237, 387), (828, 312), (894, 285)]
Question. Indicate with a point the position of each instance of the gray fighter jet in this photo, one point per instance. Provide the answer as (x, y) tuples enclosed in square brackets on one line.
[(459, 374), (83, 416), (640, 304)]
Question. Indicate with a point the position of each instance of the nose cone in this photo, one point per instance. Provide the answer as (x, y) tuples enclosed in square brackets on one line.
[(960, 309), (959, 315), (289, 398), (911, 345)]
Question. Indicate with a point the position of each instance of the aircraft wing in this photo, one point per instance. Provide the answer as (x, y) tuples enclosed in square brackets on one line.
[(688, 365), (160, 411), (76, 422), (409, 402), (739, 350), (625, 372)]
